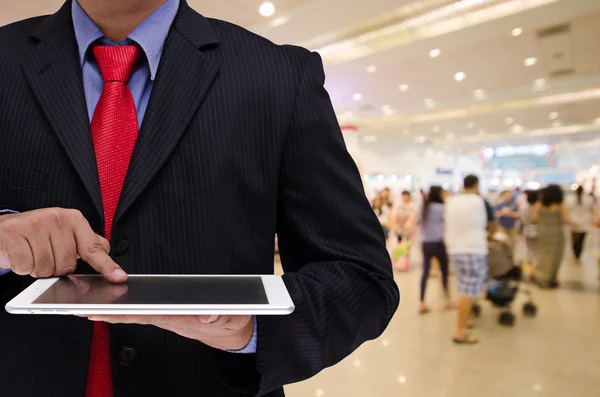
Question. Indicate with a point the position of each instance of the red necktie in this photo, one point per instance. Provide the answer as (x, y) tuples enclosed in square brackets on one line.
[(114, 131)]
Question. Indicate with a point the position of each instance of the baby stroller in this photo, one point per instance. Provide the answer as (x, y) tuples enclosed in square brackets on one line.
[(506, 280)]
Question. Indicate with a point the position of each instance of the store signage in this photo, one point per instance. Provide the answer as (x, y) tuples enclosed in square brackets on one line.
[(538, 150), (523, 163), (444, 171)]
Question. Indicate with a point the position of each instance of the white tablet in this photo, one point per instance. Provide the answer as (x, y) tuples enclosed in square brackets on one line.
[(156, 294)]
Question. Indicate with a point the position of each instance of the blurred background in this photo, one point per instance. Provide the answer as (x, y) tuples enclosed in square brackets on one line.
[(427, 92)]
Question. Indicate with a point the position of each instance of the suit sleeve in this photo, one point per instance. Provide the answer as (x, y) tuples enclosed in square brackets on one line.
[(332, 248)]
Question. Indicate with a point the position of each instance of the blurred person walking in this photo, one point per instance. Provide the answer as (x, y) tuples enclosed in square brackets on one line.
[(550, 214), (466, 241), (529, 227), (581, 212), (383, 213), (508, 215), (404, 219), (403, 223), (432, 232)]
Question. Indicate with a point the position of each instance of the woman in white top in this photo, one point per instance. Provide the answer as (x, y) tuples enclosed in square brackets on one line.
[(383, 213), (581, 211)]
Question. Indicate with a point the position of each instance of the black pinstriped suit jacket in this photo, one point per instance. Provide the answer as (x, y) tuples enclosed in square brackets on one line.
[(239, 142)]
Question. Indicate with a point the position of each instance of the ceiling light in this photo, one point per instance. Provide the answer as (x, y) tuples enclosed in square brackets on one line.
[(509, 120), (481, 132), (470, 124), (436, 129), (421, 139), (402, 379), (267, 9), (403, 87), (597, 121), (450, 136), (517, 129), (557, 124), (357, 96), (369, 138), (279, 21), (429, 103), (435, 53), (371, 69), (517, 32), (479, 94), (553, 116), (460, 76), (530, 61), (539, 84)]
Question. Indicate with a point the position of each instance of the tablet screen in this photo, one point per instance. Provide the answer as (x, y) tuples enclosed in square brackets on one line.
[(156, 290)]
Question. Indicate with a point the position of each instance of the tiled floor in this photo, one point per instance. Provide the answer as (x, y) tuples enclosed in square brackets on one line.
[(556, 354)]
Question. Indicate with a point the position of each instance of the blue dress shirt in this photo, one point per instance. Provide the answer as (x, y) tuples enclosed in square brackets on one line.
[(150, 35)]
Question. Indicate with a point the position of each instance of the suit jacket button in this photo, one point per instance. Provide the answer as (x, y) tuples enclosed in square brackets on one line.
[(127, 355), (121, 246)]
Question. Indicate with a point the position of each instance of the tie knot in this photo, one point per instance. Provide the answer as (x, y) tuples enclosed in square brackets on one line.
[(116, 62)]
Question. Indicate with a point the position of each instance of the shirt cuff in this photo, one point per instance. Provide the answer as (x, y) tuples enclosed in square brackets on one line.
[(251, 346), (2, 212)]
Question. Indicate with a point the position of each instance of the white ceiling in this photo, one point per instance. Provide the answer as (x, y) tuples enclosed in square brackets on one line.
[(486, 52)]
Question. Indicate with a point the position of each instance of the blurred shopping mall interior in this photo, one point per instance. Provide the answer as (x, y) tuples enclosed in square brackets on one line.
[(427, 92)]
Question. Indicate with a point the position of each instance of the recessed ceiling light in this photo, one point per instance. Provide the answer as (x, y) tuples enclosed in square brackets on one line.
[(597, 121), (553, 115), (403, 87), (460, 76), (479, 94), (530, 61), (450, 136), (357, 96), (481, 132), (371, 69), (539, 84), (430, 103), (370, 138), (267, 9), (279, 21), (517, 129), (509, 120), (435, 53), (436, 129), (470, 124), (556, 124), (421, 139), (517, 32)]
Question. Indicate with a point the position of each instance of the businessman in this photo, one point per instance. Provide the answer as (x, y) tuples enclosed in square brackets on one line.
[(141, 137)]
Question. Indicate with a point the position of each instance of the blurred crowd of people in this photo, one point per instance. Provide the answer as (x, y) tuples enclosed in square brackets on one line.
[(456, 231)]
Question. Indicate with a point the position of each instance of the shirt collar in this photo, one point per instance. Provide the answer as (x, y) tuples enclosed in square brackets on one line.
[(150, 35)]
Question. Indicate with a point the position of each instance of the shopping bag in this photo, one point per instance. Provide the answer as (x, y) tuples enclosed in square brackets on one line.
[(401, 256)]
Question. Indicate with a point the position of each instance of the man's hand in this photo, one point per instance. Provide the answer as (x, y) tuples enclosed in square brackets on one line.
[(219, 332), (47, 242)]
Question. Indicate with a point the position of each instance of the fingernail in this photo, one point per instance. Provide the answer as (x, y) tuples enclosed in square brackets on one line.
[(118, 273)]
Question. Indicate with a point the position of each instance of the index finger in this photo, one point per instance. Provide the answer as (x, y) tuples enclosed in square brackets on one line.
[(94, 250)]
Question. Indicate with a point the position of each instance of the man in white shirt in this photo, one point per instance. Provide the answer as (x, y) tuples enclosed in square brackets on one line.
[(466, 242)]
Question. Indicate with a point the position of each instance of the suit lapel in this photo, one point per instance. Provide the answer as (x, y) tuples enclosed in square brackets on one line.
[(185, 75), (54, 75)]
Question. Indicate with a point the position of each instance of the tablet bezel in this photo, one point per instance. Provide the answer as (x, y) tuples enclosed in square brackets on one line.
[(278, 297)]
